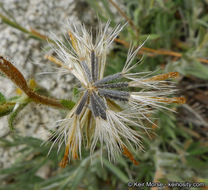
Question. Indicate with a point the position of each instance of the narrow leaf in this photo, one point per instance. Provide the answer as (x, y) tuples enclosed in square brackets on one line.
[(116, 171), (14, 114), (6, 109), (2, 98)]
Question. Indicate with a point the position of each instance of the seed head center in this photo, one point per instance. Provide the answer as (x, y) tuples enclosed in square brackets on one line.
[(92, 88)]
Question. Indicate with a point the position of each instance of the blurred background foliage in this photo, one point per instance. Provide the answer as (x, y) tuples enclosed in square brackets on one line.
[(176, 150)]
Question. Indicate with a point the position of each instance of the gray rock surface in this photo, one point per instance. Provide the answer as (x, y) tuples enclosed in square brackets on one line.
[(27, 55)]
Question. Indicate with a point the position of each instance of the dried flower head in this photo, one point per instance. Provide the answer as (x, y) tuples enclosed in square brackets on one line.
[(111, 108)]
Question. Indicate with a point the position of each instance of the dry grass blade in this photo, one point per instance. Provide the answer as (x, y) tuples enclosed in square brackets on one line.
[(123, 14), (157, 52)]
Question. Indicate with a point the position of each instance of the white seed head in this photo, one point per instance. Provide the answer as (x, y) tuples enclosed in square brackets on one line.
[(110, 111)]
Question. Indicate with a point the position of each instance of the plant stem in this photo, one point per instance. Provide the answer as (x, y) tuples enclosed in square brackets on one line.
[(157, 52)]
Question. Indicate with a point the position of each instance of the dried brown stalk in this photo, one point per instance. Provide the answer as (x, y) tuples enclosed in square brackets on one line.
[(157, 52), (14, 74)]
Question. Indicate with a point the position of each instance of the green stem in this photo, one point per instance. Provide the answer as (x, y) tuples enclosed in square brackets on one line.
[(30, 33)]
